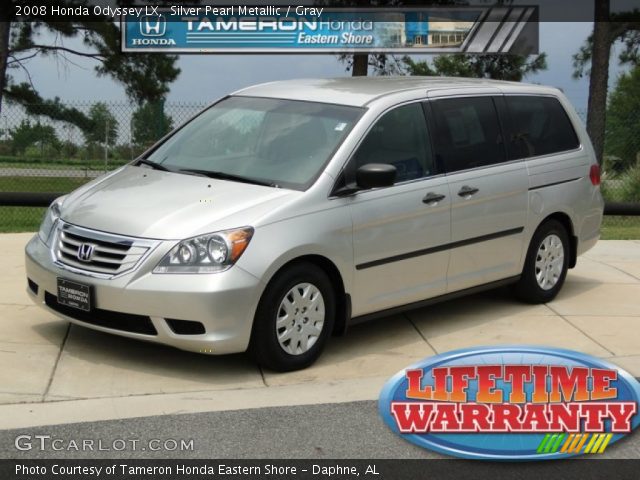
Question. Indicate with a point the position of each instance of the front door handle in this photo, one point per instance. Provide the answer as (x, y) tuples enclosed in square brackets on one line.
[(467, 191), (432, 198)]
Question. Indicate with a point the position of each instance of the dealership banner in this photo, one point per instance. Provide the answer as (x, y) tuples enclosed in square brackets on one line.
[(297, 29)]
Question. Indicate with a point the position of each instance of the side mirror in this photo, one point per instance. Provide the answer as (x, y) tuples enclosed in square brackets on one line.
[(375, 175)]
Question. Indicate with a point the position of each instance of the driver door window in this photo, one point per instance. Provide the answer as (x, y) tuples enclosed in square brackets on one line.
[(398, 138)]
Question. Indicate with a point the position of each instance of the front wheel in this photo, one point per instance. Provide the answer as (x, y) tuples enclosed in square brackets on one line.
[(546, 265), (294, 318)]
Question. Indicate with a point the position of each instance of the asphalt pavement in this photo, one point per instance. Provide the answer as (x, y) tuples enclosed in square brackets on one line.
[(351, 430)]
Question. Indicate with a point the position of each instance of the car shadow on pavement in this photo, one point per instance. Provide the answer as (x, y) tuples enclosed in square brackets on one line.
[(96, 364)]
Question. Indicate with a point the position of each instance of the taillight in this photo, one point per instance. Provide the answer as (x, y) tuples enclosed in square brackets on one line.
[(594, 175)]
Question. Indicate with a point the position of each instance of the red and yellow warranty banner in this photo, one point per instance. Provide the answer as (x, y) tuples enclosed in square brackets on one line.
[(512, 403)]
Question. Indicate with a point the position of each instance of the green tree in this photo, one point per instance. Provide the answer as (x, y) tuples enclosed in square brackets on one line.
[(144, 77), (594, 57), (27, 135), (104, 126), (496, 66), (68, 149), (622, 137), (150, 122)]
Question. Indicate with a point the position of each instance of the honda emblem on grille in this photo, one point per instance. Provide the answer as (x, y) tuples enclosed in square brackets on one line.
[(85, 252)]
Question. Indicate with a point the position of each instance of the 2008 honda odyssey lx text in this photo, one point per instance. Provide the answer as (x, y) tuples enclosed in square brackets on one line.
[(288, 210)]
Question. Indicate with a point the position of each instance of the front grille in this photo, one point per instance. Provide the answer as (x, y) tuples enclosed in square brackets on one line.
[(127, 322), (109, 254)]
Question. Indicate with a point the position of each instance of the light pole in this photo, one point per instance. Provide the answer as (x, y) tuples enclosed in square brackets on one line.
[(131, 139), (106, 142)]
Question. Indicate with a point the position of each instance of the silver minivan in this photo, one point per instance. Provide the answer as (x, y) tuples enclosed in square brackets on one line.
[(286, 212)]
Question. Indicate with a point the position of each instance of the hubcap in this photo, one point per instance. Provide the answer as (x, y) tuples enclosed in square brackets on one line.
[(300, 319), (549, 262)]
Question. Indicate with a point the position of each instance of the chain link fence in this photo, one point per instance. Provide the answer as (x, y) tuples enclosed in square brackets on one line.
[(55, 148), (41, 155), (621, 175)]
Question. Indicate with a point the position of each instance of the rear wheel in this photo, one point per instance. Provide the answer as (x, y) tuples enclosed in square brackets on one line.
[(546, 265), (294, 319)]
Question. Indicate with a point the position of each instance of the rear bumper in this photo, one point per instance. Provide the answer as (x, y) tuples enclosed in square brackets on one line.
[(589, 229), (224, 303)]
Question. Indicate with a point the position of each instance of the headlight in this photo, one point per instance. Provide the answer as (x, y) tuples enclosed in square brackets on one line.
[(211, 253), (50, 218)]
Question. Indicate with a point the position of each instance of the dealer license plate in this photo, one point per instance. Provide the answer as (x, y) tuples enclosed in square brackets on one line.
[(74, 295)]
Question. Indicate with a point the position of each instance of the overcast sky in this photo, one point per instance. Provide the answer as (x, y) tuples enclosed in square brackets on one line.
[(207, 77)]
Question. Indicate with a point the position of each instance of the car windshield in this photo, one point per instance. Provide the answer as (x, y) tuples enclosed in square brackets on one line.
[(260, 140)]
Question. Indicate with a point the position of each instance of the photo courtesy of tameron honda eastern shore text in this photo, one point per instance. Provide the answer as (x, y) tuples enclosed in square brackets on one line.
[(289, 210)]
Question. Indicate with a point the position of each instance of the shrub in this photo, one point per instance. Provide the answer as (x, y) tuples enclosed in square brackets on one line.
[(630, 189)]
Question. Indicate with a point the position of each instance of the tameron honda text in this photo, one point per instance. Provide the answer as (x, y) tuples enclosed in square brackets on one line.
[(512, 403)]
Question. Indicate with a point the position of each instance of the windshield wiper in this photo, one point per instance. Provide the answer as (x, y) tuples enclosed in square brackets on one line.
[(154, 165), (227, 176)]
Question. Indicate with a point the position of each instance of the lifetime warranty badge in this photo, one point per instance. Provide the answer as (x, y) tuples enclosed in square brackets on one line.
[(512, 403)]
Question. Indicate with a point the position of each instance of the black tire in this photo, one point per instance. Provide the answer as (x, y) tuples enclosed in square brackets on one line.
[(528, 289), (264, 345)]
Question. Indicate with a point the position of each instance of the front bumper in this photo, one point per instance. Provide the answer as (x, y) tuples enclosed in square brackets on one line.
[(224, 303)]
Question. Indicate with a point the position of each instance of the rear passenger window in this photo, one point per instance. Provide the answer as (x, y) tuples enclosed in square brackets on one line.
[(539, 126), (468, 133), (400, 139)]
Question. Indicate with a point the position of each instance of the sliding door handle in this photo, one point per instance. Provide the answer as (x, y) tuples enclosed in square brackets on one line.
[(432, 198), (467, 191)]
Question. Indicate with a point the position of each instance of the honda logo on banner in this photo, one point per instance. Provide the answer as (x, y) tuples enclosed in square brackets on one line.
[(85, 252), (153, 25)]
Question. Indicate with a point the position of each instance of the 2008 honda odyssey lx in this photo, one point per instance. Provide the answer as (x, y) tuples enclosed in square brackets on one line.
[(287, 211)]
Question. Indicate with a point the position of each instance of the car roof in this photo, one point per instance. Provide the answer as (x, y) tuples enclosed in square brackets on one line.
[(360, 91)]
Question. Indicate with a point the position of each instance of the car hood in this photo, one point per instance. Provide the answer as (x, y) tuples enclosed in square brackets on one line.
[(141, 202)]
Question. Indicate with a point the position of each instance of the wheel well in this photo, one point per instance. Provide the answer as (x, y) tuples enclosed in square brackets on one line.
[(564, 219), (343, 301)]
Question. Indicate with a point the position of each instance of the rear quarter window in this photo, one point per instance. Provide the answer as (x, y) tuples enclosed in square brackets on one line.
[(538, 126)]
